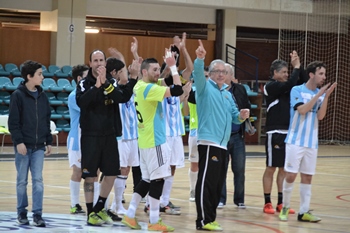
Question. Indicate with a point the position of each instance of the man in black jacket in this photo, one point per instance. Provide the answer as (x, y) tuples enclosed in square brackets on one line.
[(236, 145), (277, 96), (98, 97), (29, 125)]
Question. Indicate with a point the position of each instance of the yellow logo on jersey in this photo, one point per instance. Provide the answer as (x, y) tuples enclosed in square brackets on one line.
[(108, 102)]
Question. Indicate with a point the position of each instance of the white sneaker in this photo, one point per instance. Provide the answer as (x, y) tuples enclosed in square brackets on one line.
[(121, 210), (221, 205), (241, 206), (192, 196)]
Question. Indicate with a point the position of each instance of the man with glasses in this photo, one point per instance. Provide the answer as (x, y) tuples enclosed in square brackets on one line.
[(216, 111)]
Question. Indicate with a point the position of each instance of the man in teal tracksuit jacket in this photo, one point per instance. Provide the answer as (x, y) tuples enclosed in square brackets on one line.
[(216, 111)]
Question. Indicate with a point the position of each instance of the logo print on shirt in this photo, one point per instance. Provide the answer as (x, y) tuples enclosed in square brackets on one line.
[(86, 171), (215, 159)]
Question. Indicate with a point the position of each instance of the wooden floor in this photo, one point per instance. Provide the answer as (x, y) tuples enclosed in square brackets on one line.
[(330, 199)]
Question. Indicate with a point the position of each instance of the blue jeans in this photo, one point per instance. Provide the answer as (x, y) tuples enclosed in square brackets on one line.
[(235, 148), (33, 160)]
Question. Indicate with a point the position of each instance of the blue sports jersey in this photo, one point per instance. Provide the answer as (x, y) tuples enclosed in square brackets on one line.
[(173, 116), (129, 119), (303, 129), (74, 113)]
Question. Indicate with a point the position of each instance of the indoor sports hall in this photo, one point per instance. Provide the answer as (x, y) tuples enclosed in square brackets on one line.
[(249, 34)]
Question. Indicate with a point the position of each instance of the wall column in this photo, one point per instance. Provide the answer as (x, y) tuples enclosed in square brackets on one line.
[(67, 23), (230, 30)]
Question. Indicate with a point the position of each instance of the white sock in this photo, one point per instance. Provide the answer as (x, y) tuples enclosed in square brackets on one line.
[(193, 179), (305, 197), (153, 210), (107, 201), (168, 183), (119, 187), (96, 192), (147, 200), (74, 192), (135, 200), (287, 193)]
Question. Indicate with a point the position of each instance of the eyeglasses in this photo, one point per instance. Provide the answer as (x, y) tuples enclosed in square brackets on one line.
[(224, 72)]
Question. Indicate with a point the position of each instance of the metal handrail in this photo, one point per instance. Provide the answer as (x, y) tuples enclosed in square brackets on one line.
[(231, 59)]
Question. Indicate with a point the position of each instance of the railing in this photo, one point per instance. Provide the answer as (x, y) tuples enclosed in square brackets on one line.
[(246, 65)]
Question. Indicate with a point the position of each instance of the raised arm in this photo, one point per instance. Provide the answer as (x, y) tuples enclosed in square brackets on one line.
[(323, 109), (278, 88), (176, 89), (198, 71), (186, 74), (123, 73)]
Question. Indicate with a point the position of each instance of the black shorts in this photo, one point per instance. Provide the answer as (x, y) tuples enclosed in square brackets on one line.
[(99, 152), (275, 149)]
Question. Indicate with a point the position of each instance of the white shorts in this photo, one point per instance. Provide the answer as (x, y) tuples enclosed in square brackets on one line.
[(193, 149), (177, 154), (74, 158), (128, 153), (300, 159), (154, 162)]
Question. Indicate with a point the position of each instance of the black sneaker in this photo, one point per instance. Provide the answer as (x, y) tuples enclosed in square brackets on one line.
[(22, 219), (38, 221), (113, 216), (171, 205), (170, 209), (146, 209), (77, 209)]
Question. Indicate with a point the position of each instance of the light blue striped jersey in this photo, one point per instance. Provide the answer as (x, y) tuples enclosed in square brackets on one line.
[(129, 119), (303, 129), (173, 117), (74, 113)]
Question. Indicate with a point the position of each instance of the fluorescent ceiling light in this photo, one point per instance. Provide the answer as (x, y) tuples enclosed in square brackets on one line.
[(91, 30)]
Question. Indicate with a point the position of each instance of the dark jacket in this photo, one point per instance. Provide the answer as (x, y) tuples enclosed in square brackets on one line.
[(241, 99), (99, 112), (29, 118), (277, 96)]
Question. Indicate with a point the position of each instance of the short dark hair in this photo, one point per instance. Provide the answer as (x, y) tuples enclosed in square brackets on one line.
[(145, 63), (29, 67), (97, 50), (277, 65), (313, 66), (113, 63), (78, 70)]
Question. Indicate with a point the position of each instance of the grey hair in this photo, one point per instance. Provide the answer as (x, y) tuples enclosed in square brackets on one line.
[(232, 71), (277, 65), (213, 63)]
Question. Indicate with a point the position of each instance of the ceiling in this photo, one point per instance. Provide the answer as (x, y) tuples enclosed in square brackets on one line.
[(31, 21)]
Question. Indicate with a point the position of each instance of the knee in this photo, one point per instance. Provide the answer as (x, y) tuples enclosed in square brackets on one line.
[(290, 177), (269, 171), (156, 188), (194, 167), (305, 178), (142, 188)]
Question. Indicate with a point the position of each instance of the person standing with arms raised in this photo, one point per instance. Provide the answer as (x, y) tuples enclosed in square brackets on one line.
[(216, 111)]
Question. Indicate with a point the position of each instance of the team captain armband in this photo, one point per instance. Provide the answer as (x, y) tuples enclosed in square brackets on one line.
[(109, 88)]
